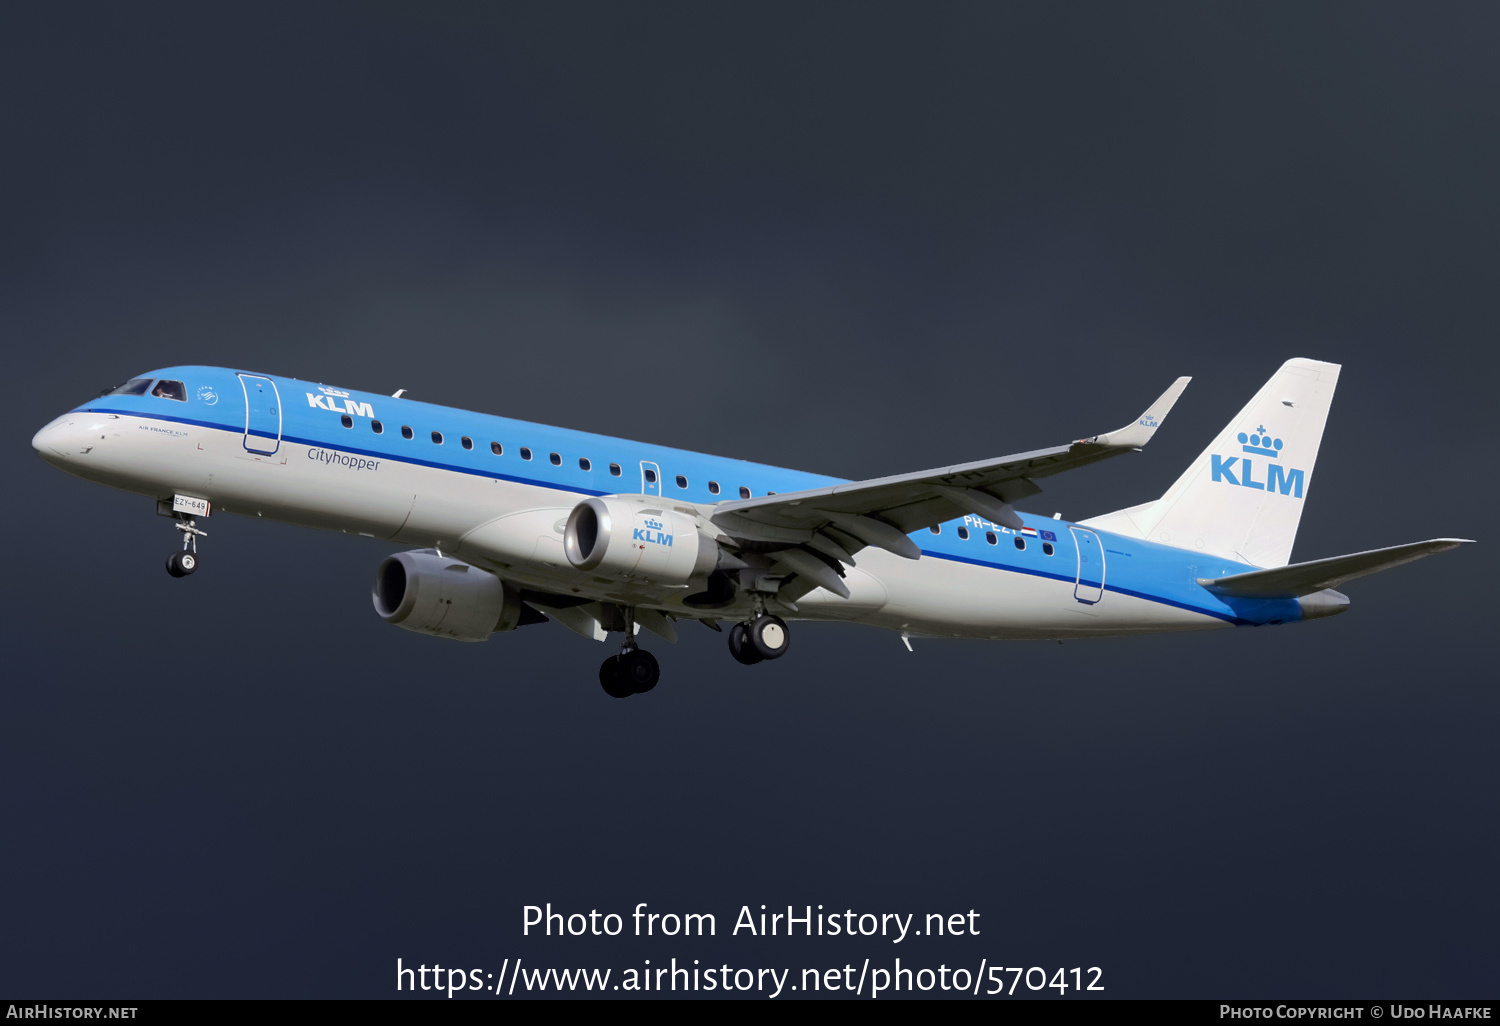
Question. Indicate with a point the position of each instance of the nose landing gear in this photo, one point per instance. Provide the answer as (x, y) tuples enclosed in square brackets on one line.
[(180, 564)]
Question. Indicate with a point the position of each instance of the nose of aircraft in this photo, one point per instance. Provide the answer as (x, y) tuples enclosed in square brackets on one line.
[(58, 440)]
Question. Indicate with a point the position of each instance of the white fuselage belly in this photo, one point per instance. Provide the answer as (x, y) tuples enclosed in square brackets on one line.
[(515, 530)]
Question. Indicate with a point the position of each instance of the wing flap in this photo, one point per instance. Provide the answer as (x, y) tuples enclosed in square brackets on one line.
[(1306, 578)]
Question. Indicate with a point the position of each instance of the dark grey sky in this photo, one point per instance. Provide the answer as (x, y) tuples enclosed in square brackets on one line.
[(847, 238)]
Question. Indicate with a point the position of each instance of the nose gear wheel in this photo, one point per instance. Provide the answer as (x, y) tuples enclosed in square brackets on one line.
[(180, 564)]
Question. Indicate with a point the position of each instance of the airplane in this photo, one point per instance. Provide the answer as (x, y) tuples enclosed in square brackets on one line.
[(517, 523)]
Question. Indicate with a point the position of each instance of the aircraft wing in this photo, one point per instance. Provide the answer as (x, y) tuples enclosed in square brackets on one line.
[(839, 520), (1305, 578)]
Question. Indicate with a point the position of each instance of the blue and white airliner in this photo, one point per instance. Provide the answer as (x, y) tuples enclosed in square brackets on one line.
[(515, 523)]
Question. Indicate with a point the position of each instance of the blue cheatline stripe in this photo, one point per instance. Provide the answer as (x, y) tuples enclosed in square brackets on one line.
[(320, 444), (556, 486), (1237, 621), (138, 415)]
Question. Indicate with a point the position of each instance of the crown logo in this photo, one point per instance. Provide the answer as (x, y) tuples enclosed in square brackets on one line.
[(1261, 443), (653, 525)]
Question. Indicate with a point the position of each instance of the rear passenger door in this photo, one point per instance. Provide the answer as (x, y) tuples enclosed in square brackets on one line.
[(1089, 586)]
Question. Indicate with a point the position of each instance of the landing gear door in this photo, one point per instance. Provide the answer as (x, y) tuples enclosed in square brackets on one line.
[(262, 414), (1090, 585), (650, 479)]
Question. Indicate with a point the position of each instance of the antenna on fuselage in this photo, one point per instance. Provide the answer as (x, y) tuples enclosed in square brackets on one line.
[(398, 393)]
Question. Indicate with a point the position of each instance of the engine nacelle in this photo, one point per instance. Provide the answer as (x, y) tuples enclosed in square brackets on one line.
[(635, 538), (444, 597)]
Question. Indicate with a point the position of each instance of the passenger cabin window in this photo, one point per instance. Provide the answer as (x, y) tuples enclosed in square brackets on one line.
[(437, 438), (681, 481), (525, 453), (614, 469), (347, 421), (135, 386), (1047, 549), (989, 536), (170, 390), (713, 488), (650, 476), (963, 534), (556, 460), (584, 464), (405, 431), (744, 492), (1020, 543), (466, 442), (936, 529), (377, 427), (497, 448)]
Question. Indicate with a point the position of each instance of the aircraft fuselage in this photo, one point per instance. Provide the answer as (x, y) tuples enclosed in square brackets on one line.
[(496, 493)]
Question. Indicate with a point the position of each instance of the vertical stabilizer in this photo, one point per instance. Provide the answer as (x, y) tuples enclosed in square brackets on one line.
[(1242, 498)]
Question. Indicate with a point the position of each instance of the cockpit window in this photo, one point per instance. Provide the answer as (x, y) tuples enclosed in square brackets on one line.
[(135, 386), (170, 390)]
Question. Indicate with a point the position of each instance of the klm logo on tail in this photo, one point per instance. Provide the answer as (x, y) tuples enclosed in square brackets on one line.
[(1286, 480)]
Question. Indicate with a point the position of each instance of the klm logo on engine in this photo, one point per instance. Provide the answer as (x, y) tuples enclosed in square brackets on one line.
[(329, 401), (652, 533), (1276, 478)]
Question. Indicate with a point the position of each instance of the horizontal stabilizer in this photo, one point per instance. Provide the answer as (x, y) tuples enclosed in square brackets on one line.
[(1305, 578)]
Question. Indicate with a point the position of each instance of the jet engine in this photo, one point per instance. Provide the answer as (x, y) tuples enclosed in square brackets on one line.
[(447, 598), (634, 538)]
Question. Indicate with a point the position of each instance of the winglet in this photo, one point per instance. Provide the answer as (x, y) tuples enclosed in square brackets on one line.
[(1134, 436)]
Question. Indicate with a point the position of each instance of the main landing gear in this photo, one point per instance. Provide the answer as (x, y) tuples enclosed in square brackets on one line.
[(765, 637), (633, 672), (180, 564)]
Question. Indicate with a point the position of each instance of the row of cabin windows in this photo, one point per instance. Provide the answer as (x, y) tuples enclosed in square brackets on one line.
[(963, 535), (584, 463), (166, 389), (713, 486)]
